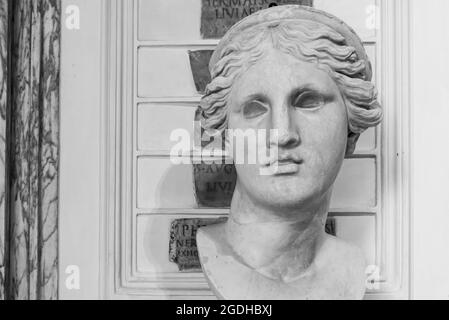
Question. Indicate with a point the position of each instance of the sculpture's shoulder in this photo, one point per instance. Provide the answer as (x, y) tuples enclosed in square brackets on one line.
[(211, 237), (216, 260), (343, 249), (212, 244), (347, 263)]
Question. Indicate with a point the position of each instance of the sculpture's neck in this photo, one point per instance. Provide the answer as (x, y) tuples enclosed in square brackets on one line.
[(279, 243)]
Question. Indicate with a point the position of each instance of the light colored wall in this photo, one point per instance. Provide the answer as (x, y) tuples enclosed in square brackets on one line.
[(430, 146), (80, 150), (82, 171)]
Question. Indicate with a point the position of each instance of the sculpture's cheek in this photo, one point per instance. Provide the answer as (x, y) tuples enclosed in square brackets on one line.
[(326, 133), (323, 145)]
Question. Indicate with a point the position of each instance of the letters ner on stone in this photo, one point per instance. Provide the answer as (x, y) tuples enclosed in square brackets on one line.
[(304, 74), (182, 246)]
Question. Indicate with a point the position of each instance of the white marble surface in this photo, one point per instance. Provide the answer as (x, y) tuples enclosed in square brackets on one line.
[(288, 69)]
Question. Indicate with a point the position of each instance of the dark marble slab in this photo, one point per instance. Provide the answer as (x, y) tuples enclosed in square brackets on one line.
[(331, 226), (218, 16), (199, 62), (182, 247), (214, 184)]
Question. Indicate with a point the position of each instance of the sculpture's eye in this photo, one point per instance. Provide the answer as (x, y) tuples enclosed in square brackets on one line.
[(308, 100), (254, 109)]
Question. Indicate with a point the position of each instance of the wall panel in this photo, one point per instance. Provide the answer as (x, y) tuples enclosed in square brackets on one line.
[(162, 96), (166, 30), (153, 235)]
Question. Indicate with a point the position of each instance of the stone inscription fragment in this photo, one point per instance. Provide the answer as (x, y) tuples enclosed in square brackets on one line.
[(199, 62), (214, 184), (182, 247), (217, 16), (331, 226)]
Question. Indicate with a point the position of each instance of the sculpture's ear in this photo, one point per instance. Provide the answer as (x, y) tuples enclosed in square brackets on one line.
[(352, 142)]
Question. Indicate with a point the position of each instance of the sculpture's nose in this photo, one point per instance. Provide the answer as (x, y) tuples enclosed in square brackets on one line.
[(287, 133)]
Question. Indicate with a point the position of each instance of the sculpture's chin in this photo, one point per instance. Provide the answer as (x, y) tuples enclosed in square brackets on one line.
[(301, 189), (280, 193)]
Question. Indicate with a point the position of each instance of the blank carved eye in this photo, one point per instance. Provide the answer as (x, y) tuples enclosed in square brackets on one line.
[(308, 100), (254, 109)]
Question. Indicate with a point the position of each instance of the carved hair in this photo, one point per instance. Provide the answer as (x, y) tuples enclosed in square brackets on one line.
[(307, 41)]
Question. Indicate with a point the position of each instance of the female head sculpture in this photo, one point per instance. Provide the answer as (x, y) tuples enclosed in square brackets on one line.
[(306, 39), (305, 74)]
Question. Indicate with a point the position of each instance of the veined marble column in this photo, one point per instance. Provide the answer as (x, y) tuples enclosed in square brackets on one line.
[(35, 139), (4, 71)]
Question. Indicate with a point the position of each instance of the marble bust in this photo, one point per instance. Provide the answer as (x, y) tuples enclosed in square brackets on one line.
[(305, 74)]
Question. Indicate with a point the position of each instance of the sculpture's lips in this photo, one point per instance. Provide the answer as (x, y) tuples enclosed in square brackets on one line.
[(285, 168), (284, 164), (283, 159)]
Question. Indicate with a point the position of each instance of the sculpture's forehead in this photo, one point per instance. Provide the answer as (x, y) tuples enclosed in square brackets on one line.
[(278, 71)]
